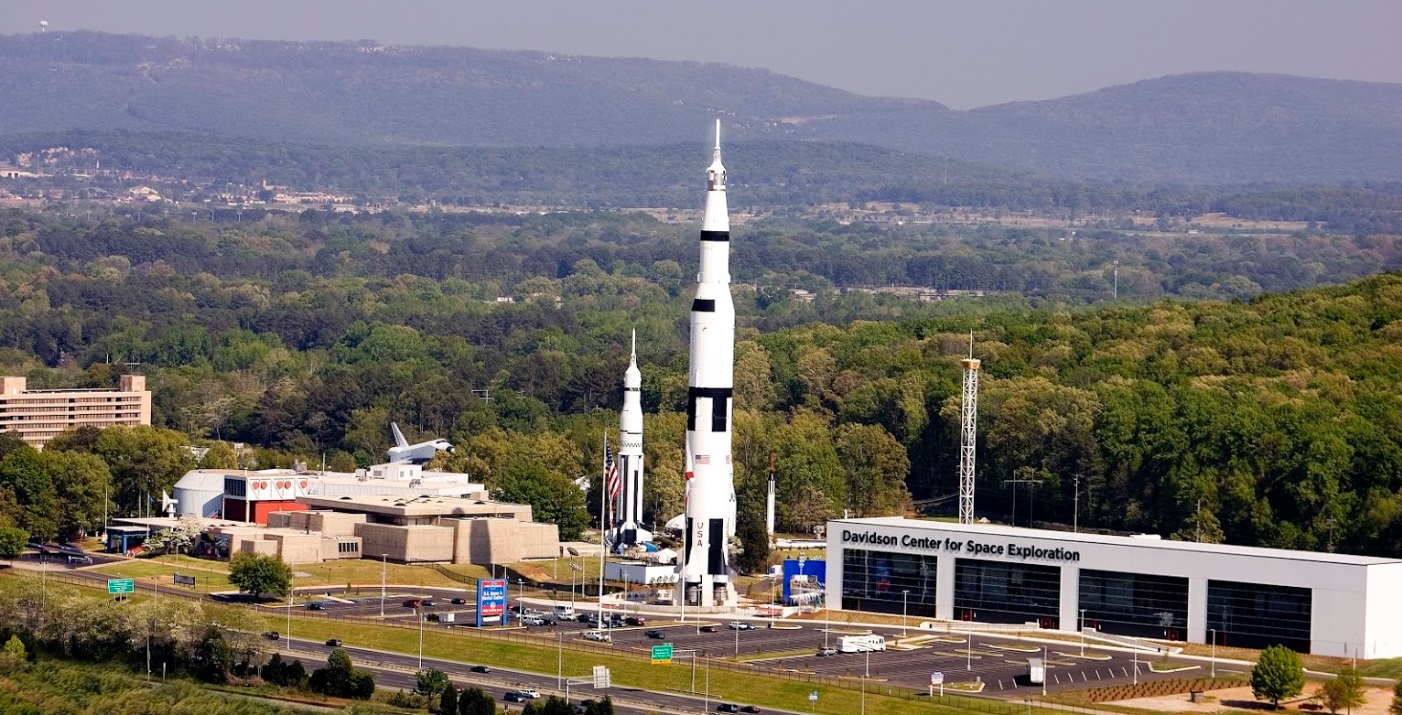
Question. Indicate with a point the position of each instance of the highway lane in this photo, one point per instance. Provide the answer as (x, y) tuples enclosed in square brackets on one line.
[(398, 670)]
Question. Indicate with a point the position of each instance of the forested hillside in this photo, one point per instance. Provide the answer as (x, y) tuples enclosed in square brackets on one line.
[(1274, 421), (1202, 128)]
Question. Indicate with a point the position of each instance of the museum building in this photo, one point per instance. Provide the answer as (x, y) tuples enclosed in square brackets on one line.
[(1142, 586)]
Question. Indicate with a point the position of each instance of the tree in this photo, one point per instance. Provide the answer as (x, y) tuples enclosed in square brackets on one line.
[(341, 679), (430, 682), (475, 701), (599, 707), (1278, 674), (1396, 707), (553, 497), (22, 472), (12, 542), (14, 655), (1343, 692), (552, 705), (177, 538), (448, 703), (260, 575), (81, 483), (212, 658)]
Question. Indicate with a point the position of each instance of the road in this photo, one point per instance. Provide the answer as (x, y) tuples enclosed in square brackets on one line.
[(1001, 664), (396, 670)]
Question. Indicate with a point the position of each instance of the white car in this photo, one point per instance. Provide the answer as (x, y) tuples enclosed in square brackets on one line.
[(528, 693), (599, 636), (740, 626)]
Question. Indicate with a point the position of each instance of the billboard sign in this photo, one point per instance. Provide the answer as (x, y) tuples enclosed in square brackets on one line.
[(491, 600), (181, 580)]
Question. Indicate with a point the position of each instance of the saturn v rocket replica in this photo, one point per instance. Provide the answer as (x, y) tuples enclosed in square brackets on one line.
[(704, 578), (628, 504)]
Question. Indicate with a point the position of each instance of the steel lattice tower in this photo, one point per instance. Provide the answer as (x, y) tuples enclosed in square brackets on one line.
[(968, 435)]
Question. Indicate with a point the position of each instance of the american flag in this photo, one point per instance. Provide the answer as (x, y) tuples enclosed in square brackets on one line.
[(703, 459), (611, 480)]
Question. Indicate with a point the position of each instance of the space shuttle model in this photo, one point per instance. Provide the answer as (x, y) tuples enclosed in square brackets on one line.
[(628, 505), (704, 578)]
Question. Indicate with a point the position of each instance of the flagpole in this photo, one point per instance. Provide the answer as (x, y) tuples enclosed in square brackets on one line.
[(603, 528)]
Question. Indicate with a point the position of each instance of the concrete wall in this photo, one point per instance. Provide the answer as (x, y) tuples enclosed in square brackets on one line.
[(328, 523), (502, 541), (331, 547), (406, 544), (298, 548), (261, 547)]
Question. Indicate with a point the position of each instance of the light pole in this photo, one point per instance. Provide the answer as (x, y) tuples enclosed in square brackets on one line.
[(559, 658), (865, 674), (420, 611), (904, 594), (737, 640), (520, 601), (707, 699), (1044, 671), (1083, 632), (384, 570), (1136, 666), (1213, 631), (290, 596)]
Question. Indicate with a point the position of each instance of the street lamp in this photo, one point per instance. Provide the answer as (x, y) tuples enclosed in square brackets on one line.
[(904, 594), (1213, 631), (420, 611), (1083, 632), (520, 601), (384, 569)]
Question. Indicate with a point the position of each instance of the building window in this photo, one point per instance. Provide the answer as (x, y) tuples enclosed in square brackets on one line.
[(234, 487), (996, 592), (1135, 604), (874, 581), (1253, 615)]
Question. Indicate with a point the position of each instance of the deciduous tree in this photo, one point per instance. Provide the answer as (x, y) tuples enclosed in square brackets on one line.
[(261, 575), (1278, 674)]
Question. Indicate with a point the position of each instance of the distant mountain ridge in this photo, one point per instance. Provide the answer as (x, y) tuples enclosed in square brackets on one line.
[(1200, 128)]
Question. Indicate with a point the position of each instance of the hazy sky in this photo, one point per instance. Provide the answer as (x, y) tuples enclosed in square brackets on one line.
[(964, 53)]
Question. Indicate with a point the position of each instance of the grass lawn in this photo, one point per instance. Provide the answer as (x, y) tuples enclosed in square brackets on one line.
[(726, 685), (363, 572), (152, 570)]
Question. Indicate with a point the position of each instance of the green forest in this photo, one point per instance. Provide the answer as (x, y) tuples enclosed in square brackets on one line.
[(1188, 408)]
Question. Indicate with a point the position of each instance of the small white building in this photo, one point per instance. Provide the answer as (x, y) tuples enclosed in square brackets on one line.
[(1329, 604)]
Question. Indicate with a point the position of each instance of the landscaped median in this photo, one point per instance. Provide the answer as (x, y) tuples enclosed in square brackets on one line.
[(728, 685)]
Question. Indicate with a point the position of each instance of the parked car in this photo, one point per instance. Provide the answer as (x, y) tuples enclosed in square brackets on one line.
[(659, 635), (635, 621), (597, 635), (586, 617), (271, 635), (827, 650), (740, 626), (334, 642), (532, 621), (413, 602), (708, 629), (481, 669)]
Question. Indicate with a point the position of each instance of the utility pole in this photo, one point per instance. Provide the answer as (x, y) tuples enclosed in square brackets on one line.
[(1016, 481), (1076, 507), (384, 570)]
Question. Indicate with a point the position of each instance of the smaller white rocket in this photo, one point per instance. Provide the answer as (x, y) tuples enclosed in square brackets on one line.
[(628, 505)]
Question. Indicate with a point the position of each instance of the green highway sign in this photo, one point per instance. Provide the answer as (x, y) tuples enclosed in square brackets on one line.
[(120, 585), (662, 653)]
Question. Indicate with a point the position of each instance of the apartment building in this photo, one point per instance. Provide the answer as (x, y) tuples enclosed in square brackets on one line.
[(39, 415)]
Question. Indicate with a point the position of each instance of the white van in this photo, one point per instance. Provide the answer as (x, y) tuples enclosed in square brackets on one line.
[(564, 612)]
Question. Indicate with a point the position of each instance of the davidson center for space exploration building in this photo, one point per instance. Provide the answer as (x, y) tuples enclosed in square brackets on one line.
[(1330, 604)]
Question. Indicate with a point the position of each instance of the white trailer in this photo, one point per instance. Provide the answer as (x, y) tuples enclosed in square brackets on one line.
[(860, 644), (1036, 671)]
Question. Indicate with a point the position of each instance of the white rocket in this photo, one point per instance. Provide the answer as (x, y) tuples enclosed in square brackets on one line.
[(628, 506), (710, 504)]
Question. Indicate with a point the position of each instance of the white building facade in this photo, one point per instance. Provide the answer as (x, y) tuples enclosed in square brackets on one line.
[(1329, 604)]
